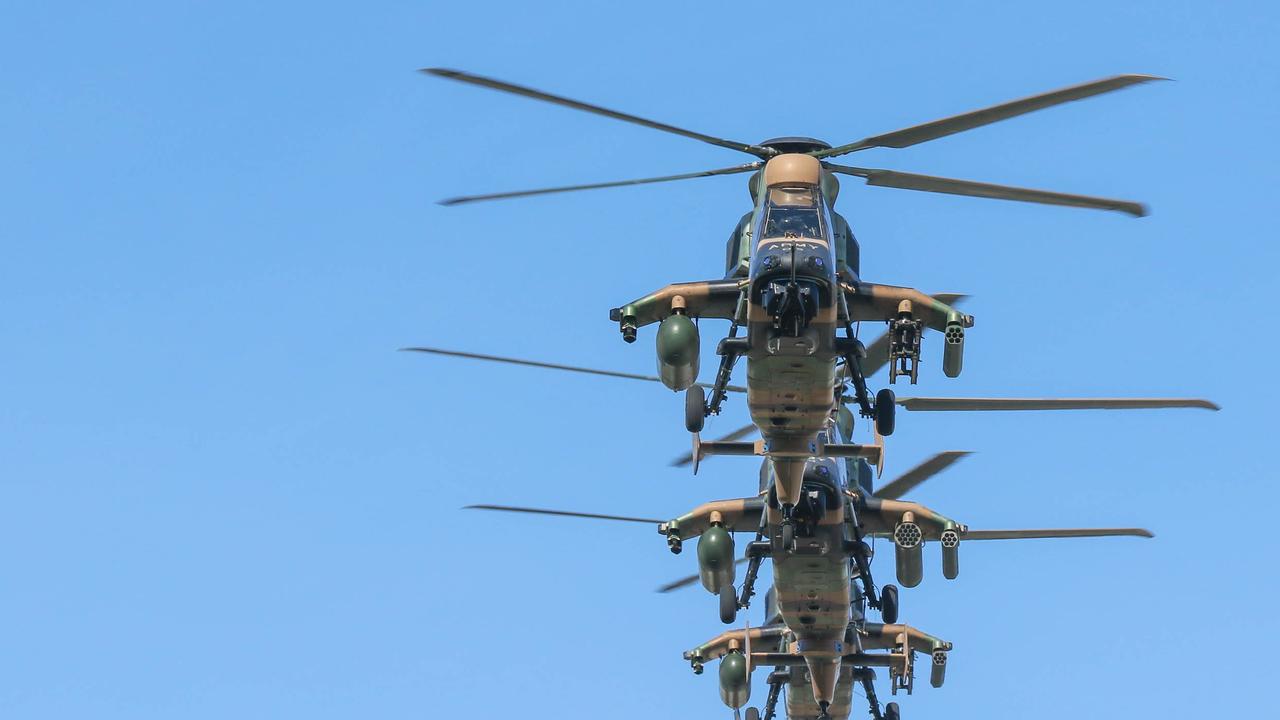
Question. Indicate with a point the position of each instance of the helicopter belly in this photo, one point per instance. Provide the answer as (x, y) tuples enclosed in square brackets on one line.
[(800, 697), (812, 584), (790, 395), (813, 597)]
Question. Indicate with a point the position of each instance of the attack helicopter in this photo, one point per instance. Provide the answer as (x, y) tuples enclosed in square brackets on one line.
[(793, 281), (821, 556), (773, 643), (816, 595)]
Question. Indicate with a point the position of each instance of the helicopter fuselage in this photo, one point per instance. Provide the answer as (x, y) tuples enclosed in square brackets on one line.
[(813, 594), (797, 292)]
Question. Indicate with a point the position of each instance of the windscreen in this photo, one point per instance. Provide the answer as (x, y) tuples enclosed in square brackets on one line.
[(792, 212)]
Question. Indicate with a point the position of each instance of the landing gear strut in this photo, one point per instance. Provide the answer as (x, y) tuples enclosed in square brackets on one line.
[(861, 553), (756, 552), (729, 350), (884, 409), (776, 680), (788, 528), (867, 677)]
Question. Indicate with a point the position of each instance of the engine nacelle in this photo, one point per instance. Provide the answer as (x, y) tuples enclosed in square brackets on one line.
[(715, 559), (953, 349), (950, 542), (678, 348), (908, 541), (735, 679)]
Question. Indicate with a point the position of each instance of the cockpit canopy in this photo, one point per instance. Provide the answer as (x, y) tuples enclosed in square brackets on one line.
[(792, 212)]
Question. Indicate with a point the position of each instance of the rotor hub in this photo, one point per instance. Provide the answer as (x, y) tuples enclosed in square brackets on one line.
[(793, 144)]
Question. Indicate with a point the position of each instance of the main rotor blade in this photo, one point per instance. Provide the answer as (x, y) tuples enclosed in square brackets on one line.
[(918, 474), (563, 513), (1037, 534), (949, 404), (977, 118), (688, 580), (878, 350), (741, 432), (596, 186), (760, 152), (551, 366), (970, 188)]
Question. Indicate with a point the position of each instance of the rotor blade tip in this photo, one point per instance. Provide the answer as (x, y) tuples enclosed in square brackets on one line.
[(1204, 404)]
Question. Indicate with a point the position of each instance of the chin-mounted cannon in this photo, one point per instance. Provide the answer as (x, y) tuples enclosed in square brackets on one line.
[(792, 304)]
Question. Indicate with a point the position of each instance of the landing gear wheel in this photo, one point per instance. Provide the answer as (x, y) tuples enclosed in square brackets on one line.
[(788, 536), (695, 408), (886, 412), (889, 604), (753, 713), (891, 712), (728, 604)]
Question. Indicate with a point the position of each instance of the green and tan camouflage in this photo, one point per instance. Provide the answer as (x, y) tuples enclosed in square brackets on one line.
[(793, 283), (797, 297)]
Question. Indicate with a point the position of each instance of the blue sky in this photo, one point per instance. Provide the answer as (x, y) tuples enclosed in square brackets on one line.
[(224, 493)]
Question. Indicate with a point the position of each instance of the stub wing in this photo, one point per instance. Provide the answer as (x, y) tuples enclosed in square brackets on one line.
[(706, 299), (872, 302), (738, 515)]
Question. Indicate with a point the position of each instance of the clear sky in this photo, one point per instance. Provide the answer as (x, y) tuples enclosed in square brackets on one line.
[(223, 493)]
